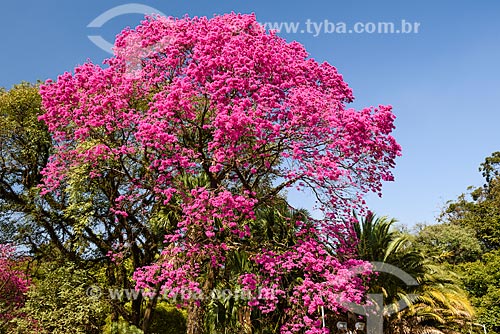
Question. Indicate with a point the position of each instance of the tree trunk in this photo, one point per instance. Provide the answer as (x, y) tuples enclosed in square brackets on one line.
[(197, 307), (244, 317), (136, 311), (148, 313), (196, 318)]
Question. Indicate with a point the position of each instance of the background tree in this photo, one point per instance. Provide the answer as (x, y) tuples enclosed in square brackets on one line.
[(25, 148), (476, 215), (451, 243), (51, 227), (218, 98)]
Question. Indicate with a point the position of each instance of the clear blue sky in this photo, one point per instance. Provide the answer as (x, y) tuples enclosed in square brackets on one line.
[(443, 82)]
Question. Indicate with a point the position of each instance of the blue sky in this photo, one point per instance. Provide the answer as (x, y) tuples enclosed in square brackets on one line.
[(443, 82)]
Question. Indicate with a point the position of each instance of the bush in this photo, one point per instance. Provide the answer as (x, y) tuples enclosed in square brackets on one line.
[(59, 304), (168, 319)]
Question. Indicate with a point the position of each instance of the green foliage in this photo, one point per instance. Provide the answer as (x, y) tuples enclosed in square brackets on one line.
[(480, 213), (490, 168), (58, 302), (120, 327), (449, 242), (168, 319), (482, 280)]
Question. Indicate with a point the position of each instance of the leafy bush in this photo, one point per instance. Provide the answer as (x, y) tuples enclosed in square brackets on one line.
[(59, 303), (168, 319)]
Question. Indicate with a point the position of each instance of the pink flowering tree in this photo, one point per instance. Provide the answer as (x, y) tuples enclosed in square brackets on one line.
[(205, 122), (13, 286)]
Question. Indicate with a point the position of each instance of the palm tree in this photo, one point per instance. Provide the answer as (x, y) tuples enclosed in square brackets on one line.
[(375, 235), (273, 228), (437, 305)]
